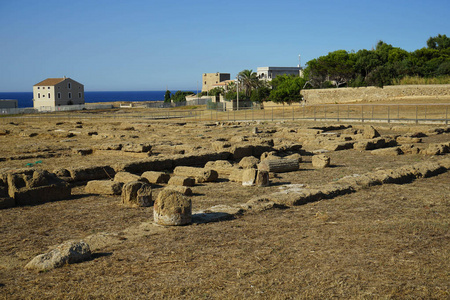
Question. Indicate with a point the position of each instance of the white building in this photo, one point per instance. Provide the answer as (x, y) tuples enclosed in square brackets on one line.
[(269, 73), (53, 92)]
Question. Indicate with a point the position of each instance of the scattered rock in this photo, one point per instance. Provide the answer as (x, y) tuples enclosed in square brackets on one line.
[(67, 253), (125, 177), (181, 180), (370, 132)]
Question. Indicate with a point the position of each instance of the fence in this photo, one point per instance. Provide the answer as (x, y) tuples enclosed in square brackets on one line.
[(385, 113)]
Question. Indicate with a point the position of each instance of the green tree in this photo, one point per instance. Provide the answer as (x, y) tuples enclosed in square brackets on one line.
[(260, 94), (180, 96), (438, 42), (167, 96), (248, 80), (286, 89)]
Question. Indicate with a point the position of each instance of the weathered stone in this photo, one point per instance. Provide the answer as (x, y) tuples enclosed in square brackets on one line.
[(200, 174), (249, 162), (29, 186), (104, 187), (370, 132), (236, 175), (61, 172), (220, 145), (320, 161), (262, 178), (137, 194), (156, 177), (91, 173), (392, 151), (240, 151), (171, 208), (296, 156), (269, 155), (67, 253), (259, 204), (108, 147), (279, 165), (181, 180), (249, 177), (125, 177), (409, 149), (187, 191), (436, 149), (338, 146), (408, 140), (223, 167)]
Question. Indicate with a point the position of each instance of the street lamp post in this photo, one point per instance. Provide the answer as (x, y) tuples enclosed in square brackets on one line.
[(237, 92)]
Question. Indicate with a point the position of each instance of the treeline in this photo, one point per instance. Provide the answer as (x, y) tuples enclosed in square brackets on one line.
[(380, 66)]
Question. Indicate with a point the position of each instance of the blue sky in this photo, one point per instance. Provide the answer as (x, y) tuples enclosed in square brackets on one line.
[(138, 45)]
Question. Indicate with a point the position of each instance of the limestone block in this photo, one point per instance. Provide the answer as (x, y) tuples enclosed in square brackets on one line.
[(320, 161), (156, 177), (223, 167), (249, 162), (187, 191), (279, 165), (369, 132), (125, 177), (200, 174), (171, 208), (262, 178), (249, 177), (181, 180), (240, 151), (392, 151), (104, 187), (67, 253), (137, 194)]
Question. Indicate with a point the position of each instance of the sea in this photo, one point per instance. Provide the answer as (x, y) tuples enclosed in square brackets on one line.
[(25, 99)]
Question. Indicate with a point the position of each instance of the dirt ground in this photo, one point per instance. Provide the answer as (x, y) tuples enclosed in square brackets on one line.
[(389, 241)]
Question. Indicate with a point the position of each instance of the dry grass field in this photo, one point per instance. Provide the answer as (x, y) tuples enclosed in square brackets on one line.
[(382, 242)]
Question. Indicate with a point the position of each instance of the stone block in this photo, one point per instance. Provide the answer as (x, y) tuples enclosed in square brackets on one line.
[(138, 148), (137, 194), (249, 177), (249, 162), (125, 177), (156, 177), (181, 180), (320, 161), (171, 208), (104, 187)]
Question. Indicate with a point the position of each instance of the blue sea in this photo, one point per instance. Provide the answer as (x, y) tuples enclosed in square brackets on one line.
[(25, 98)]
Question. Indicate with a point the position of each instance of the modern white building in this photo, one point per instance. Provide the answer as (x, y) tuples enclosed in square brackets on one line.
[(269, 73), (53, 92)]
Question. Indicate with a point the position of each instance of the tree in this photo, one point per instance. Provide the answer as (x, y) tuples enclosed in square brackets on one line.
[(438, 42), (286, 89), (249, 80), (260, 94), (167, 96), (180, 96)]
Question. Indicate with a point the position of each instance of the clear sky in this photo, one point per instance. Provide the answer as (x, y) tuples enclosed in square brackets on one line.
[(111, 45)]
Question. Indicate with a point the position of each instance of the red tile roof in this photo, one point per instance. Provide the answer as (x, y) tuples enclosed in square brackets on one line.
[(50, 81)]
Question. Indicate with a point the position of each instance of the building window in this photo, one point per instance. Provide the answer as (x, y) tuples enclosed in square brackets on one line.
[(39, 95), (38, 88), (49, 95), (69, 86), (59, 95), (48, 88), (43, 95), (79, 95), (70, 95)]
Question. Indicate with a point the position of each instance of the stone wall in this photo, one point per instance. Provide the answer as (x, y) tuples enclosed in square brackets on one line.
[(345, 95)]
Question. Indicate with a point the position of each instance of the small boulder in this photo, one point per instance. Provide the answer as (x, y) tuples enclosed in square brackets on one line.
[(67, 253), (125, 177), (181, 180), (249, 162), (172, 209), (370, 132), (156, 177), (320, 161), (137, 194)]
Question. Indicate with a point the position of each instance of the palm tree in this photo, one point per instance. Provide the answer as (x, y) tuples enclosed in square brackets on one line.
[(249, 80)]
